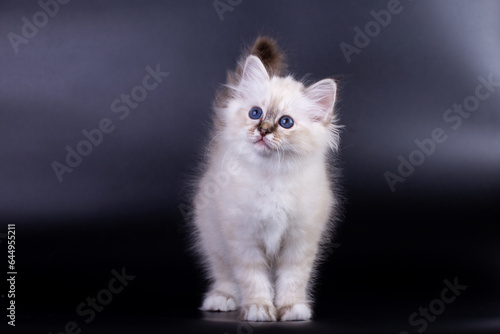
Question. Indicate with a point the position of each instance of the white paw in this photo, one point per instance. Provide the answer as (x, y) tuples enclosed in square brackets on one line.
[(295, 312), (219, 302), (258, 312)]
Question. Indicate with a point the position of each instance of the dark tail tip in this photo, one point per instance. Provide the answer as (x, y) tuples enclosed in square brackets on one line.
[(270, 54)]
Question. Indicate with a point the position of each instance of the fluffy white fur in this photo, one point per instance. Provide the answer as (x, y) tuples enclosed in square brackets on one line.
[(263, 207)]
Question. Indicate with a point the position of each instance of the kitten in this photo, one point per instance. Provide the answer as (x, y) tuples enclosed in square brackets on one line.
[(265, 200)]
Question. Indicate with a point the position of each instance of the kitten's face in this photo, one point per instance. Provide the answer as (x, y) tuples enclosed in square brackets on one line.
[(279, 116), (274, 124)]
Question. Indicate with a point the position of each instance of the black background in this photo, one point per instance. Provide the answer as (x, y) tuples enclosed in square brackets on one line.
[(120, 206)]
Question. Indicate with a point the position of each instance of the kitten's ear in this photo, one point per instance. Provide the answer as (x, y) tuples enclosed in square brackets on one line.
[(322, 94), (254, 72)]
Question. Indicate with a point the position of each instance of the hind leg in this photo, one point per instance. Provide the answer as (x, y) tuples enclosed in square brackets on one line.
[(223, 294)]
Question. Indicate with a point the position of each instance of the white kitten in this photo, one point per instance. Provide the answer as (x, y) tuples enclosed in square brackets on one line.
[(265, 201)]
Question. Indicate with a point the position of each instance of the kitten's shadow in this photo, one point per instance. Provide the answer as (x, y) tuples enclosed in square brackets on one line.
[(234, 317), (221, 316)]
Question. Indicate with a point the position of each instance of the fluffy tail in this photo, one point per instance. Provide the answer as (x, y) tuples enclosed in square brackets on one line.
[(270, 54)]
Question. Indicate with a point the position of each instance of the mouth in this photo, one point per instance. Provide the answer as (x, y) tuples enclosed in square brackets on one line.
[(262, 144)]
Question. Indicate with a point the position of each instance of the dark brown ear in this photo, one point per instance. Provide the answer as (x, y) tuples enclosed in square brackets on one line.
[(322, 94), (270, 54)]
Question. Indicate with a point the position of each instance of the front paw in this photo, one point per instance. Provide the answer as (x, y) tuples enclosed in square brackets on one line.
[(218, 301), (258, 312), (295, 312)]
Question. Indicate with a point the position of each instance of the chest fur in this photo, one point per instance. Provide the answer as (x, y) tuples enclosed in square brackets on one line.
[(270, 208)]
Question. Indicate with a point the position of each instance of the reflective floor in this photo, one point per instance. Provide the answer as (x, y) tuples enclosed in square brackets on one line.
[(465, 317)]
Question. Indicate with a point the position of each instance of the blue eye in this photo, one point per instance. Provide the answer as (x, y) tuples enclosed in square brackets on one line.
[(255, 113), (286, 122)]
